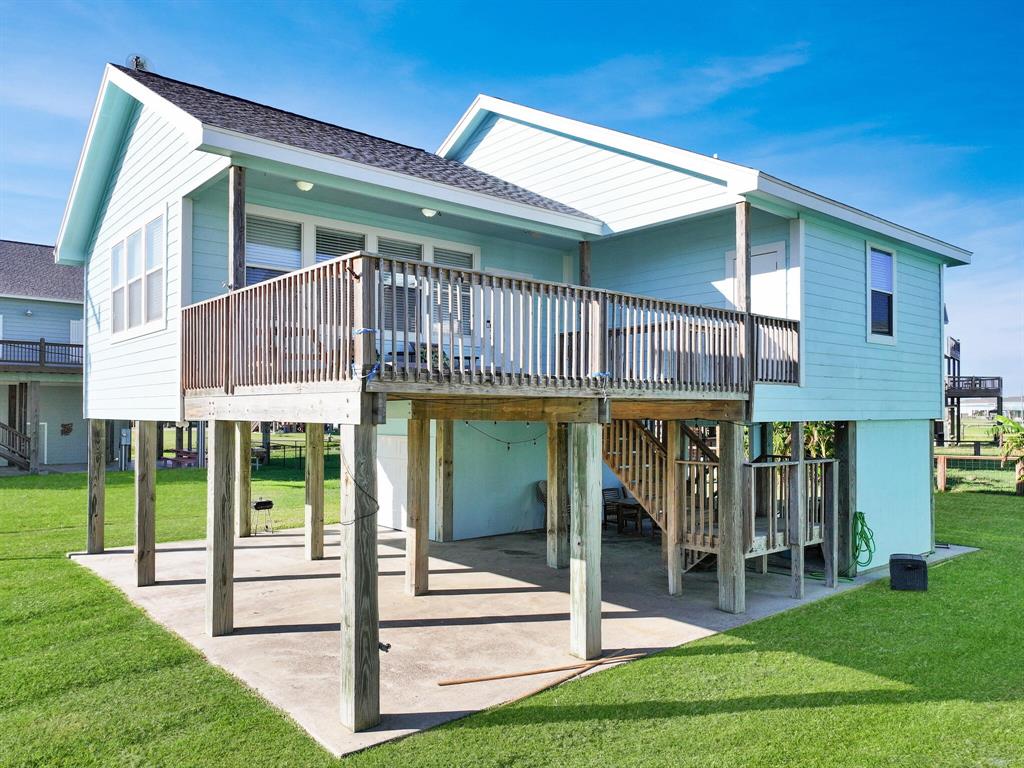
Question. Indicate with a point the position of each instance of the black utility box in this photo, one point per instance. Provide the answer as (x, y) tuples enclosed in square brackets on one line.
[(908, 573)]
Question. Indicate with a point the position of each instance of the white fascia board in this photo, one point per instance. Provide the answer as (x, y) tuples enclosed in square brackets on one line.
[(807, 200), (21, 297), (738, 179), (231, 142), (188, 125)]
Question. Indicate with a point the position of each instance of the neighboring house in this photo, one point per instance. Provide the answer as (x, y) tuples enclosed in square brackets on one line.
[(538, 295), (40, 358)]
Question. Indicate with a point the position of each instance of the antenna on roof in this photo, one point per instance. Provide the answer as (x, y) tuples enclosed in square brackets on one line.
[(137, 62)]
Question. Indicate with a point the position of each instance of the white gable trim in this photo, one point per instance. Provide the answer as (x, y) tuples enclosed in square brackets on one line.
[(737, 178)]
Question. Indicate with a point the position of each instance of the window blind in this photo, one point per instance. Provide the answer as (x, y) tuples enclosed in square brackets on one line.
[(273, 242), (881, 270), (399, 249), (332, 243), (446, 257)]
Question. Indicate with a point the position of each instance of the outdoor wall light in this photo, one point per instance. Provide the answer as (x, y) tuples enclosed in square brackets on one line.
[(304, 186), (28, 313), (428, 212)]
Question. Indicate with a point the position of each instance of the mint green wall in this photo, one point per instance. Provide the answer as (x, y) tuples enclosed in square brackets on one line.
[(894, 482), (50, 319), (846, 377), (62, 405), (209, 237), (681, 261), (496, 486)]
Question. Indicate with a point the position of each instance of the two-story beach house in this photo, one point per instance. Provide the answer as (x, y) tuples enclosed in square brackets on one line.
[(539, 300), (40, 359)]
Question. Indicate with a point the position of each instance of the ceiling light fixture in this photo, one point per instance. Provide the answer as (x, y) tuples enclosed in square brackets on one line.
[(304, 186), (429, 212)]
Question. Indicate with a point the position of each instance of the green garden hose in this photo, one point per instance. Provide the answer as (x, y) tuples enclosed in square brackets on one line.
[(863, 540)]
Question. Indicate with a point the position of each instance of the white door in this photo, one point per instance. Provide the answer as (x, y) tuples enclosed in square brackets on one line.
[(768, 284), (392, 480), (769, 281), (77, 336)]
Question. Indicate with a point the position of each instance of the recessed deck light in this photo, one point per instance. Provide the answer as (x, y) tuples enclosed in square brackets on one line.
[(428, 212), (304, 186)]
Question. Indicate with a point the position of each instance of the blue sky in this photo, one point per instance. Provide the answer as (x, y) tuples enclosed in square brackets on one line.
[(913, 111)]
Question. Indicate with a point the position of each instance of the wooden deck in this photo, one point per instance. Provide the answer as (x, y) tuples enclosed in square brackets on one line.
[(42, 356), (406, 328)]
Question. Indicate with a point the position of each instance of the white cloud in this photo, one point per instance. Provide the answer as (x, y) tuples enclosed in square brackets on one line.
[(635, 87)]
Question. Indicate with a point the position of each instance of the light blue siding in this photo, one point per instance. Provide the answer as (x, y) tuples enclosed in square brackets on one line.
[(846, 376), (138, 378), (496, 486), (684, 261), (59, 405), (50, 319), (621, 190), (894, 482)]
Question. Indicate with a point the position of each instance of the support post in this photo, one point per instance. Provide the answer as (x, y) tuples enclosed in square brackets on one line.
[(558, 496), (242, 478), (731, 564), (585, 262), (743, 299), (265, 440), (444, 480), (830, 542), (201, 444), (846, 481), (797, 510), (220, 549), (314, 527), (97, 471), (585, 523), (360, 661), (145, 503), (32, 424), (762, 491), (417, 541), (236, 227), (673, 535)]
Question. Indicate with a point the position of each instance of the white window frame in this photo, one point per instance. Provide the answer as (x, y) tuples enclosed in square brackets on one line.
[(878, 338), (139, 225)]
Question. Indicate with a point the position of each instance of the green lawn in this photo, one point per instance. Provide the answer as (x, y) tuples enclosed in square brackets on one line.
[(869, 678)]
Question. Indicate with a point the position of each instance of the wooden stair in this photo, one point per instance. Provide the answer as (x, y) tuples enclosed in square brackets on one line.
[(635, 451), (15, 446)]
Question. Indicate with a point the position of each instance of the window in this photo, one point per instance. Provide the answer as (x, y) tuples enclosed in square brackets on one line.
[(399, 249), (137, 277), (443, 311), (881, 265), (332, 243), (272, 247)]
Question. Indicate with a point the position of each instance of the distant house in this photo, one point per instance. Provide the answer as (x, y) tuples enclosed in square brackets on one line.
[(41, 333), (541, 300)]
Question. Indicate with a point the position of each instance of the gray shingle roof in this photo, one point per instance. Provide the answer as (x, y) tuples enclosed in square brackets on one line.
[(27, 269), (235, 114)]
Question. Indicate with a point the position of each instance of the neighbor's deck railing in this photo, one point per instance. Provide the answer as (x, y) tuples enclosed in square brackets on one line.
[(433, 324), (57, 355)]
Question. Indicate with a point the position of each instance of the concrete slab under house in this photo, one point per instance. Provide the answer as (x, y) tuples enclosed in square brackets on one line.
[(544, 326)]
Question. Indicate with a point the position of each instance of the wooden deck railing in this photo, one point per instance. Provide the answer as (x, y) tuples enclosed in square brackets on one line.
[(15, 446), (60, 356), (767, 507), (439, 325), (777, 345)]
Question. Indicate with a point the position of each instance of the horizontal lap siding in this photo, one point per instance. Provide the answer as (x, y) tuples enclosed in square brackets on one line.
[(50, 320), (848, 377), (138, 378), (621, 190), (684, 261)]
